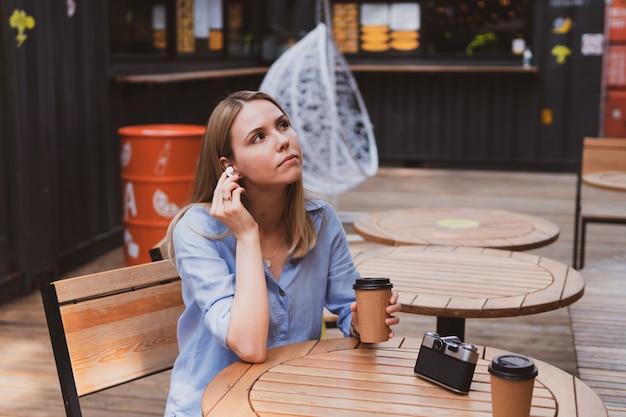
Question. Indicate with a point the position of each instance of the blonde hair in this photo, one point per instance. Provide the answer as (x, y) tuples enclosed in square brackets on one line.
[(217, 143)]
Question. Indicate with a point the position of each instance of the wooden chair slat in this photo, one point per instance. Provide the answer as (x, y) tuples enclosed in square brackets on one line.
[(121, 279)]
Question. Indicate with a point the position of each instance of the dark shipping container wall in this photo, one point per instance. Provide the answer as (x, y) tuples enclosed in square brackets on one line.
[(88, 160), (175, 102), (28, 144), (7, 129), (453, 119), (59, 167)]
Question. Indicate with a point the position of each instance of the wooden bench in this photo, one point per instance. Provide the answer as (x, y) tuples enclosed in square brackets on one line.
[(112, 327), (598, 155)]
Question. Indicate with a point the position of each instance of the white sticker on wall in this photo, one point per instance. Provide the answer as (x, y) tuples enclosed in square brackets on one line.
[(71, 8), (592, 44)]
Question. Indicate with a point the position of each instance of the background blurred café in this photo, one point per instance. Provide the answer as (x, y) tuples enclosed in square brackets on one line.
[(483, 84)]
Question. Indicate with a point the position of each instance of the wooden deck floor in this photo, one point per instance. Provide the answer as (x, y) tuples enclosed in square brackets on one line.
[(28, 381), (598, 323)]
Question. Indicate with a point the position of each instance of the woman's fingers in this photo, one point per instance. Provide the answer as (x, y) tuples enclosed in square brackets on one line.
[(393, 307), (226, 188)]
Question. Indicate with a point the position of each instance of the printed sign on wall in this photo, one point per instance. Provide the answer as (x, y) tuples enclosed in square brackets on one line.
[(20, 21), (617, 20), (616, 66), (561, 53)]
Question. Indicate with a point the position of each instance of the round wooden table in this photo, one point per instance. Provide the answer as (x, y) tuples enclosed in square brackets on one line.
[(457, 226), (345, 378), (609, 180), (455, 283)]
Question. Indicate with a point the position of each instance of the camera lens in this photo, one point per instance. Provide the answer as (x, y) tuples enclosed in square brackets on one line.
[(438, 345)]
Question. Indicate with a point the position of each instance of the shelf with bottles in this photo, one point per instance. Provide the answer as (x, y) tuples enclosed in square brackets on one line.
[(183, 31)]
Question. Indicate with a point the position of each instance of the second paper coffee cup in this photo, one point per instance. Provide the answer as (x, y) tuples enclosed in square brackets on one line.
[(372, 298), (512, 383)]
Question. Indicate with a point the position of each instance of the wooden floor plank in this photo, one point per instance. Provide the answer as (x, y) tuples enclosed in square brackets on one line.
[(598, 321)]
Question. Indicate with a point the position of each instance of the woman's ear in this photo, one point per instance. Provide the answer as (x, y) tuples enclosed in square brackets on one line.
[(224, 162)]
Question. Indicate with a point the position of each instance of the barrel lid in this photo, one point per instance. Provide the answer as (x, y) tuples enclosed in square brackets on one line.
[(164, 130)]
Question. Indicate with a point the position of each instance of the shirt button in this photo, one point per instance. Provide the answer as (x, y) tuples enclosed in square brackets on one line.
[(282, 293)]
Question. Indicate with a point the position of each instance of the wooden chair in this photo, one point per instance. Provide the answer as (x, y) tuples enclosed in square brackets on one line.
[(112, 327), (159, 251), (598, 154)]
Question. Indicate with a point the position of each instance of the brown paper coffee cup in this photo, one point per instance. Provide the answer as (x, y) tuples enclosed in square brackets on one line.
[(372, 298), (512, 383)]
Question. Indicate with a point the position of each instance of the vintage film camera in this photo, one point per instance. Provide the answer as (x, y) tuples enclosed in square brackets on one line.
[(447, 361)]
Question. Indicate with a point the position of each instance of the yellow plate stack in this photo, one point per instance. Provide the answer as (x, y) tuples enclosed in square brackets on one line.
[(375, 38)]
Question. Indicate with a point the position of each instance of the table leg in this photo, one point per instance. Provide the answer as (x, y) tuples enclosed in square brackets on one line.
[(451, 326)]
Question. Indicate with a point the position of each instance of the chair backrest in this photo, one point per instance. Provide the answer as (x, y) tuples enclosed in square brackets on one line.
[(112, 327), (603, 154), (598, 155)]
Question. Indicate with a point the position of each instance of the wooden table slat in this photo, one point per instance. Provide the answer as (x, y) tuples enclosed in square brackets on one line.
[(499, 307)]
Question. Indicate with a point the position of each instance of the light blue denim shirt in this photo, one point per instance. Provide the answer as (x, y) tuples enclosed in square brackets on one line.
[(324, 277)]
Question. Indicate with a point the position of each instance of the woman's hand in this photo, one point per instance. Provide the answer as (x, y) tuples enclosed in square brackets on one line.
[(391, 309), (227, 207)]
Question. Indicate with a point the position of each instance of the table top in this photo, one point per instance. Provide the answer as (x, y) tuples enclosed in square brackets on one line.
[(457, 226), (345, 378), (609, 180), (469, 282)]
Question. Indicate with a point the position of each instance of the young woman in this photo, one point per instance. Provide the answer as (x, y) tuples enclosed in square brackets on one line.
[(258, 258)]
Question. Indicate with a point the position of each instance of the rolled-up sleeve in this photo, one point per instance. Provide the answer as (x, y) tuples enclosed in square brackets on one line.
[(204, 267)]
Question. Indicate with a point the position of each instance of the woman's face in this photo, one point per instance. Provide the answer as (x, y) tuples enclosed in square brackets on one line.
[(265, 146)]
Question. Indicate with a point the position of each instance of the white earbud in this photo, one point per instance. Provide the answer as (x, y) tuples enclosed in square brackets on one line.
[(229, 171)]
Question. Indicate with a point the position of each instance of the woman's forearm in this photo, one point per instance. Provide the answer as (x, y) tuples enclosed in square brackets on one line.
[(249, 318)]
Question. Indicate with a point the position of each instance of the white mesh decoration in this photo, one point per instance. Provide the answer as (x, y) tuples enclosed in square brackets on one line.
[(313, 82)]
